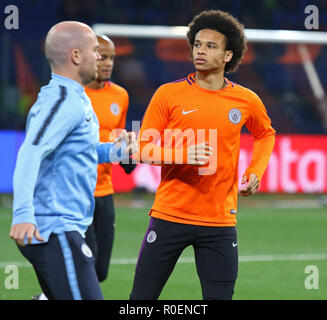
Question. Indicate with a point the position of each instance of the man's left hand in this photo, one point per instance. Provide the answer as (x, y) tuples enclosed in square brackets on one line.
[(251, 187)]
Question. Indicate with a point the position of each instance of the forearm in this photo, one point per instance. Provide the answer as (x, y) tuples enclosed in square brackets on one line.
[(262, 150), (151, 153)]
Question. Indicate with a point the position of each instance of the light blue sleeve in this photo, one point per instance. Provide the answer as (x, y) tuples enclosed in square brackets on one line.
[(44, 133), (108, 152), (25, 176)]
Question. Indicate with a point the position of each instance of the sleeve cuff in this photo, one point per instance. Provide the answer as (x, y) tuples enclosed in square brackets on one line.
[(23, 218), (108, 152), (248, 171)]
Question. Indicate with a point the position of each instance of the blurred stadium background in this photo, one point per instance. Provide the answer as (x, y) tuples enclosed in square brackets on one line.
[(282, 230)]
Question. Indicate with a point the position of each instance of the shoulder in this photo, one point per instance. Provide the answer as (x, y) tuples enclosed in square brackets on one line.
[(175, 87), (68, 101), (56, 104), (52, 98), (59, 93), (247, 93), (118, 89)]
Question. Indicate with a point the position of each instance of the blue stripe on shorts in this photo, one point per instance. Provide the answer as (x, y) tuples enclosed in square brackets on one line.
[(70, 267)]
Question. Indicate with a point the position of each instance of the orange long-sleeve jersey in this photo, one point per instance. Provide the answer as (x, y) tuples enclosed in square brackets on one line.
[(110, 104), (181, 114)]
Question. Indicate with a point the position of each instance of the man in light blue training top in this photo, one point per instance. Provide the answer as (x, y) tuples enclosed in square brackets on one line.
[(56, 168)]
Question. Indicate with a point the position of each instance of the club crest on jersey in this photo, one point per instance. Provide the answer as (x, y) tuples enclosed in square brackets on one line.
[(114, 108), (235, 116), (152, 236)]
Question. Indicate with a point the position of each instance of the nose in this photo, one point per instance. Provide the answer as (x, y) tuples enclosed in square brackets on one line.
[(98, 56), (201, 50), (109, 62)]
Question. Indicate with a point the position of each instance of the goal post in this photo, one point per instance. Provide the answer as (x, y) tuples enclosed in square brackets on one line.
[(179, 32)]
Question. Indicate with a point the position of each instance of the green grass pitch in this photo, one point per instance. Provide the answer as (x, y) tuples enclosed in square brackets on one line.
[(276, 244)]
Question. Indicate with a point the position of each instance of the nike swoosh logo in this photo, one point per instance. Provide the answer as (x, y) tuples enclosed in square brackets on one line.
[(88, 119), (234, 244), (187, 112)]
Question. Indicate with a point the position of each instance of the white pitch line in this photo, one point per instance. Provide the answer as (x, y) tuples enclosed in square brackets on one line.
[(18, 264), (284, 257), (252, 258)]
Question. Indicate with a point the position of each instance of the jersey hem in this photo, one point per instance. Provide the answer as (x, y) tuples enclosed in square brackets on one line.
[(170, 217), (103, 193)]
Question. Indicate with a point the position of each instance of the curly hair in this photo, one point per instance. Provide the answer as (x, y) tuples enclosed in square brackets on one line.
[(226, 24)]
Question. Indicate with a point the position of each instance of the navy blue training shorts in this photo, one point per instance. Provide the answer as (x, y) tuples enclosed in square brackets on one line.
[(215, 251), (64, 267)]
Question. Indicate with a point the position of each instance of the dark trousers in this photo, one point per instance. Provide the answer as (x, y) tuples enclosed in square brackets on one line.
[(64, 267), (216, 258), (100, 234)]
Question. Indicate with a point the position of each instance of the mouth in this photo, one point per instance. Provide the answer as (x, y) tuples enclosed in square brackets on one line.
[(107, 71), (200, 61)]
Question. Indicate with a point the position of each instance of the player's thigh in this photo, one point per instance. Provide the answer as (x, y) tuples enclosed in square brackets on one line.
[(104, 221), (104, 211), (80, 268), (91, 240), (50, 266), (216, 254), (162, 245), (216, 257), (105, 230)]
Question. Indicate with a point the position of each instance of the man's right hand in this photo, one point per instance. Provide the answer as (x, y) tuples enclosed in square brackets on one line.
[(130, 139), (19, 230), (199, 154)]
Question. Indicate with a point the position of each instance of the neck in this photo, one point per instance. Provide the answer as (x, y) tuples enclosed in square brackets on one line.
[(68, 74), (211, 80), (96, 84)]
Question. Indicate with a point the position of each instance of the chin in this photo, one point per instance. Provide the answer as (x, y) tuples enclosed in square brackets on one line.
[(201, 68), (103, 79), (89, 78)]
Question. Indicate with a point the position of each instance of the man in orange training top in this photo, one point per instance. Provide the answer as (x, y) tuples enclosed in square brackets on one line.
[(110, 103), (198, 120)]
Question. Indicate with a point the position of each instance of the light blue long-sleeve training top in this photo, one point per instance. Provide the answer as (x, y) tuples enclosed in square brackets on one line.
[(56, 168)]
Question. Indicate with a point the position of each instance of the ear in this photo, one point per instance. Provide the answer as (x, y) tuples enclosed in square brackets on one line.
[(76, 56), (228, 56)]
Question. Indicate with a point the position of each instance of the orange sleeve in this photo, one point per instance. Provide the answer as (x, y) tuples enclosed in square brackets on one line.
[(259, 125), (154, 122)]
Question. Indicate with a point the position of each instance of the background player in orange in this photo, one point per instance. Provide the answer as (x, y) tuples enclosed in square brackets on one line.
[(110, 103), (198, 120)]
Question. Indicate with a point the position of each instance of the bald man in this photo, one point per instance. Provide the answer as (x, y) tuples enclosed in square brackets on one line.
[(110, 103), (56, 168)]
